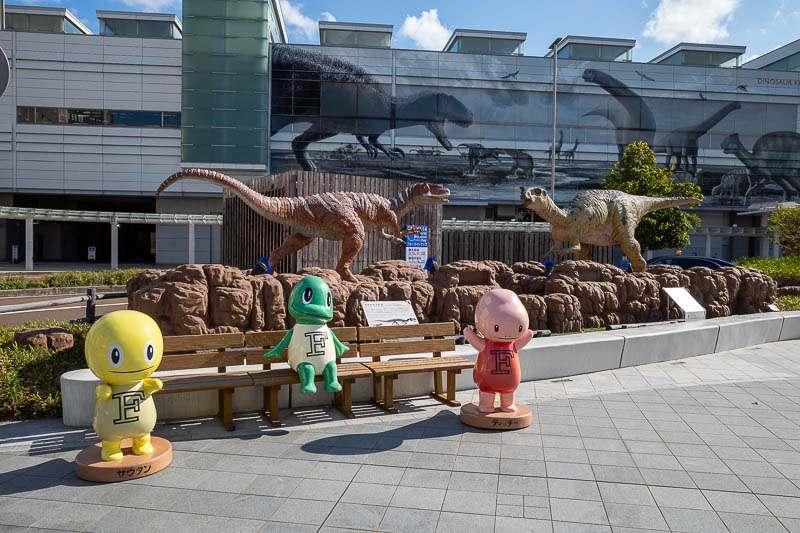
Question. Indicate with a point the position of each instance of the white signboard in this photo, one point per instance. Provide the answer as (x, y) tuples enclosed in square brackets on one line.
[(691, 308), (417, 247), (91, 253), (397, 313)]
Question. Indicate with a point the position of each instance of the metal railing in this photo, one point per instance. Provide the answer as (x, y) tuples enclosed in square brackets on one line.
[(91, 299)]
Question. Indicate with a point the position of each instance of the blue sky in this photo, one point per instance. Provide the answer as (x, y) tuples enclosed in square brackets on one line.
[(761, 25)]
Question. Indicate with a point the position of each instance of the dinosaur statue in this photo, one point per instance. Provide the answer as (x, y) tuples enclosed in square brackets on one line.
[(569, 155), (633, 118), (522, 163), (683, 143), (559, 144), (307, 85), (774, 158), (599, 217), (476, 152), (335, 216), (730, 185)]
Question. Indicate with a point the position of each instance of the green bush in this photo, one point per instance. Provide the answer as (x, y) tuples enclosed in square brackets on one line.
[(788, 303), (785, 270), (30, 384), (70, 279)]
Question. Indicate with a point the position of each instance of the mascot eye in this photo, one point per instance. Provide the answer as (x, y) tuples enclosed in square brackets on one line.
[(496, 328), (115, 355), (307, 295), (329, 300), (149, 352), (520, 328)]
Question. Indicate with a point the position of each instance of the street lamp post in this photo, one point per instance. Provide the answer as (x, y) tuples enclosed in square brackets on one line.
[(553, 140)]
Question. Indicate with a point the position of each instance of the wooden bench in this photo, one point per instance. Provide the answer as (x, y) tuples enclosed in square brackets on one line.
[(258, 343), (185, 352), (370, 345)]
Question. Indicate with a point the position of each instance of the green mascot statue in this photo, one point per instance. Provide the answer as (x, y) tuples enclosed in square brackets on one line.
[(313, 348)]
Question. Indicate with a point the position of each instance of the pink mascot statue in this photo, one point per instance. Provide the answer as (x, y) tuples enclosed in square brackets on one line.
[(502, 322)]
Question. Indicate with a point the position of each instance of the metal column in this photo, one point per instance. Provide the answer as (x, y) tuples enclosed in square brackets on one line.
[(708, 243), (29, 243), (114, 244), (191, 243), (554, 48)]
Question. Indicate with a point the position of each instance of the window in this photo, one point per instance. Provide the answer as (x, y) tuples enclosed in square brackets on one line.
[(17, 21), (71, 28), (119, 27), (155, 28), (46, 23), (98, 117)]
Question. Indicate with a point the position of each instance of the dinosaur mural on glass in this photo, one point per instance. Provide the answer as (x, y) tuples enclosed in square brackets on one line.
[(306, 82), (775, 157)]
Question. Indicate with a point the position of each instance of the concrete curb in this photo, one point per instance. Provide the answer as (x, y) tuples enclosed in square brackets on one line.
[(60, 291), (543, 359)]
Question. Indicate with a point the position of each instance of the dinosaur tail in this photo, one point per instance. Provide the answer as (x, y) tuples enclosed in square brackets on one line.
[(654, 204), (278, 209)]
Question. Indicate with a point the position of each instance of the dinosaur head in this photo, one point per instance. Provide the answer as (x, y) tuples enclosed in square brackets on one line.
[(533, 198), (731, 143), (429, 194), (590, 75)]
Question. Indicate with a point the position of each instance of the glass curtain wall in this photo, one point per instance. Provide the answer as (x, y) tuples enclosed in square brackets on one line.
[(225, 101)]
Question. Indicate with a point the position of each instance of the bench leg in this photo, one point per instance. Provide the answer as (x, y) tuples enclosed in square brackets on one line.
[(226, 408), (377, 395), (388, 393), (271, 406), (450, 399), (437, 382), (343, 400)]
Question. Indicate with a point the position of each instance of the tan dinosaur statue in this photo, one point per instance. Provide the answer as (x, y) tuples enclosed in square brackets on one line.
[(335, 216), (601, 217)]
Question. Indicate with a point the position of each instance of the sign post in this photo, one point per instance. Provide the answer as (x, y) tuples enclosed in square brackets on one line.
[(417, 247)]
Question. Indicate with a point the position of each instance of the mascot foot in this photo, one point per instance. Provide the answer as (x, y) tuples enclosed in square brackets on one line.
[(331, 383), (142, 446), (507, 403), (305, 371), (111, 451), (486, 402)]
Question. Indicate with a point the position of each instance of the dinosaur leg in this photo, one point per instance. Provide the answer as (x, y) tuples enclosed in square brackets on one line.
[(583, 253), (329, 373), (305, 371), (351, 245), (301, 142), (293, 243), (376, 145), (630, 247), (371, 152)]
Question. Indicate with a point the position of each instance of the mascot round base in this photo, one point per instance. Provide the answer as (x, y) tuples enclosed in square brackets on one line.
[(91, 467), (472, 416)]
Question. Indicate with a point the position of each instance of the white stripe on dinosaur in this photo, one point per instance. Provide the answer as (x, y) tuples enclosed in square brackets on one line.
[(333, 197), (354, 197), (367, 202), (308, 210), (324, 203), (291, 205)]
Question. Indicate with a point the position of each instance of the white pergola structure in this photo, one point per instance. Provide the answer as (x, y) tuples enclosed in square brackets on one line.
[(29, 215), (764, 209)]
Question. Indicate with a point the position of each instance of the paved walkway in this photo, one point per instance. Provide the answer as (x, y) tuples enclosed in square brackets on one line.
[(705, 444)]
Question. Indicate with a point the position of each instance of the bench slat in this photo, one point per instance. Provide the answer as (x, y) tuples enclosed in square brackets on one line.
[(376, 349), (435, 329), (271, 338), (187, 343), (196, 382), (409, 366), (201, 360), (287, 376)]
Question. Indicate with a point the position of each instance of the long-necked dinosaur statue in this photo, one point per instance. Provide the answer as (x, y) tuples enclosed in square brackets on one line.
[(335, 216), (600, 217), (682, 143)]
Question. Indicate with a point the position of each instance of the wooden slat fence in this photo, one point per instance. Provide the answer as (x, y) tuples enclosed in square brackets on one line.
[(246, 236)]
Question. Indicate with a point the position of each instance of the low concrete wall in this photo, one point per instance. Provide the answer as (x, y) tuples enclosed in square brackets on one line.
[(545, 358)]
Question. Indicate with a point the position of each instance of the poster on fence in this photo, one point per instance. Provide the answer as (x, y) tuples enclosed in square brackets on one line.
[(417, 246), (389, 313)]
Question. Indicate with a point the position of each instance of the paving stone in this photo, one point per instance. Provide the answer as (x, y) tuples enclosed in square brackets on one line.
[(667, 478), (368, 493), (635, 516), (399, 520), (280, 486), (70, 516), (692, 520), (782, 506), (388, 475), (733, 502), (770, 485), (320, 489), (418, 498), (233, 525), (460, 501), (533, 486), (170, 522), (727, 482), (488, 465), (281, 527), (252, 507), (572, 527), (356, 516), (504, 524), (449, 447), (473, 481), (460, 522), (303, 511), (617, 474), (200, 502), (679, 497), (748, 523), (432, 479), (433, 461), (581, 511), (333, 471), (570, 470), (522, 467), (625, 493), (573, 488)]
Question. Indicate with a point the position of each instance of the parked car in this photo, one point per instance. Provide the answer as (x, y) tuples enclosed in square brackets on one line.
[(689, 261)]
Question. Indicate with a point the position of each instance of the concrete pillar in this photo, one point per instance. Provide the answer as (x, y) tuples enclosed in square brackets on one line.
[(708, 243), (191, 243), (29, 243), (765, 238), (114, 244)]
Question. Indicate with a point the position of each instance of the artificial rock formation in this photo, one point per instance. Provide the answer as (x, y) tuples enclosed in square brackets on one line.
[(194, 299), (47, 338)]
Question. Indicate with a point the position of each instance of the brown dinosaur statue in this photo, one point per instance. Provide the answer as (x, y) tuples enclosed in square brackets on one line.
[(600, 217), (335, 216)]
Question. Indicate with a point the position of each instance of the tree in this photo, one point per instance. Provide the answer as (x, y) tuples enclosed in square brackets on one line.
[(784, 225), (638, 174)]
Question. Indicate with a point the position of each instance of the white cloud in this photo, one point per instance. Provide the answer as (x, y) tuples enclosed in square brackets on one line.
[(154, 6), (690, 21), (295, 19), (327, 16), (426, 30)]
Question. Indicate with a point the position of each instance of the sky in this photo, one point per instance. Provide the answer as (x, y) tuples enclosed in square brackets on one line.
[(761, 25)]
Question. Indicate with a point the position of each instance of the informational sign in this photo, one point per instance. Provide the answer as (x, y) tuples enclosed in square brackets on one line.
[(92, 253), (417, 246), (14, 253), (5, 71), (773, 307), (692, 310), (392, 313)]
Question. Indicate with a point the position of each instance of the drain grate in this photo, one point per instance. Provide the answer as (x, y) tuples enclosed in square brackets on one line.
[(678, 363), (562, 380)]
